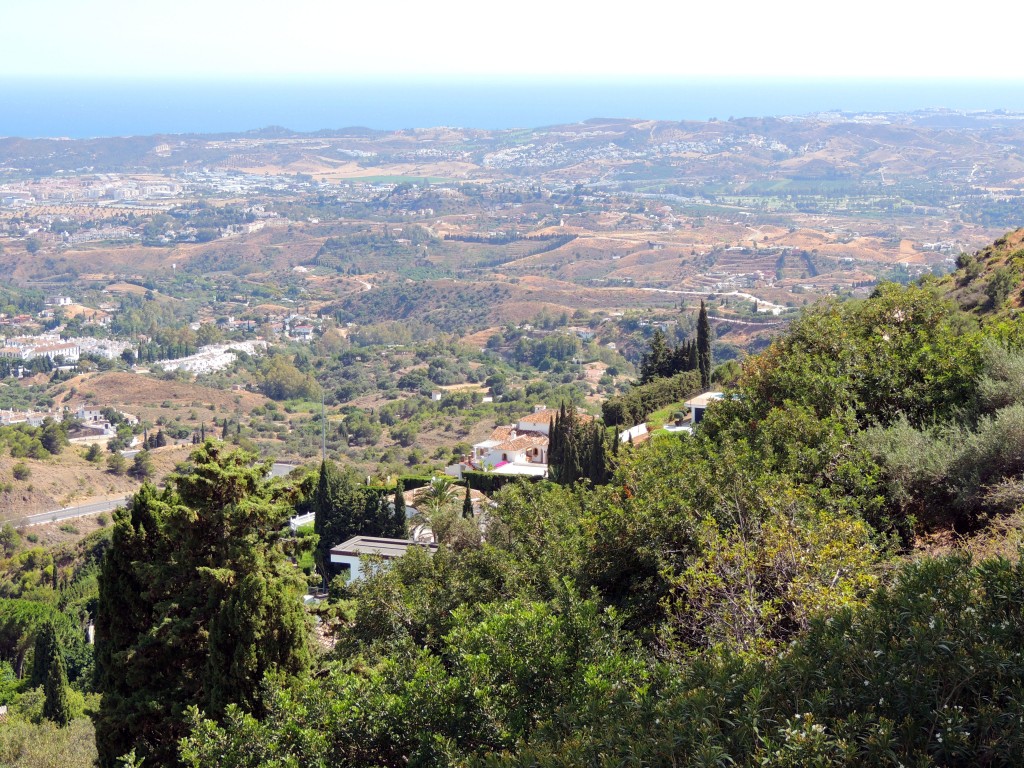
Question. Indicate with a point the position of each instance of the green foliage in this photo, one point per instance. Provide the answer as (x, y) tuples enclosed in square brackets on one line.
[(487, 482), (56, 706), (43, 654), (641, 401), (10, 540), (20, 621), (576, 449), (190, 571), (142, 466), (998, 289), (704, 359), (927, 672), (662, 361), (344, 508), (45, 745), (116, 463), (281, 380), (905, 351)]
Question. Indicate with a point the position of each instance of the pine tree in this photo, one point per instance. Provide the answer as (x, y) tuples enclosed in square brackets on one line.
[(393, 517), (257, 629), (56, 706), (704, 347), (194, 604), (657, 361)]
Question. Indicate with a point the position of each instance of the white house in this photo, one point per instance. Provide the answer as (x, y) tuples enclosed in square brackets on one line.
[(515, 449), (700, 403), (87, 413), (348, 553)]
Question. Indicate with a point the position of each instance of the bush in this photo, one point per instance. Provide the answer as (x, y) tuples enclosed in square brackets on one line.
[(634, 406), (21, 471)]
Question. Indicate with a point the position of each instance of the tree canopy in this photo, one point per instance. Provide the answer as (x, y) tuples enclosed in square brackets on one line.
[(196, 603)]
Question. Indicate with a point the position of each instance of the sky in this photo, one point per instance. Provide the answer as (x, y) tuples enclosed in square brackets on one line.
[(525, 39)]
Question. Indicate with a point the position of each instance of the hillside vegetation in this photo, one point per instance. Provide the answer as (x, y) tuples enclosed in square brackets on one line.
[(759, 593), (989, 281)]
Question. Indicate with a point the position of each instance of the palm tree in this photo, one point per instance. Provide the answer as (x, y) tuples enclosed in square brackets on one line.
[(440, 494)]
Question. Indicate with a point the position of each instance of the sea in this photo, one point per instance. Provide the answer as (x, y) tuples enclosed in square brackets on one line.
[(132, 107)]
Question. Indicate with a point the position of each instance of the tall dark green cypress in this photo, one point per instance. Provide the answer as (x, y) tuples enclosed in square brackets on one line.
[(597, 469), (328, 515), (399, 523), (56, 706), (467, 503), (704, 347), (42, 654)]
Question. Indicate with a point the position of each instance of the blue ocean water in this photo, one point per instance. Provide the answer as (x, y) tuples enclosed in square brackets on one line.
[(80, 109)]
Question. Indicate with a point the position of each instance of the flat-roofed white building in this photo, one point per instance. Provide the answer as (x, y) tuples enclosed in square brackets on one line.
[(348, 553), (700, 403)]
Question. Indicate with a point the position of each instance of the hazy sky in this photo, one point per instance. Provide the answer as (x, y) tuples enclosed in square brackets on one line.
[(526, 38)]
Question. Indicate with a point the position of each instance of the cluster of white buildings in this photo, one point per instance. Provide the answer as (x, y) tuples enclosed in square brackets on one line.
[(9, 418), (24, 349), (214, 357)]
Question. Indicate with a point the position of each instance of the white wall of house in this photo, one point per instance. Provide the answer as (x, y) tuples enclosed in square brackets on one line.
[(354, 571)]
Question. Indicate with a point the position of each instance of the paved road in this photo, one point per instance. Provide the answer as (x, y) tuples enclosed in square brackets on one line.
[(278, 470), (68, 512)]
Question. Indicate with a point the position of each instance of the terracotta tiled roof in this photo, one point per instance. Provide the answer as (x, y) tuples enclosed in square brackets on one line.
[(548, 415), (502, 433), (523, 442), (540, 417)]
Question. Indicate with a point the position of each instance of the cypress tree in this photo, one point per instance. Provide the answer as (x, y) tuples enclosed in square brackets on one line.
[(704, 347), (467, 503), (399, 502), (596, 462), (394, 524), (56, 706), (327, 520), (42, 654)]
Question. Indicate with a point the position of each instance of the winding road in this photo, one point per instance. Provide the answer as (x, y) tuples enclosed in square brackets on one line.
[(95, 507), (80, 510)]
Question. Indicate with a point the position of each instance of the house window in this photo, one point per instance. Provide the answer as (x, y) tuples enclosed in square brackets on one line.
[(504, 457)]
